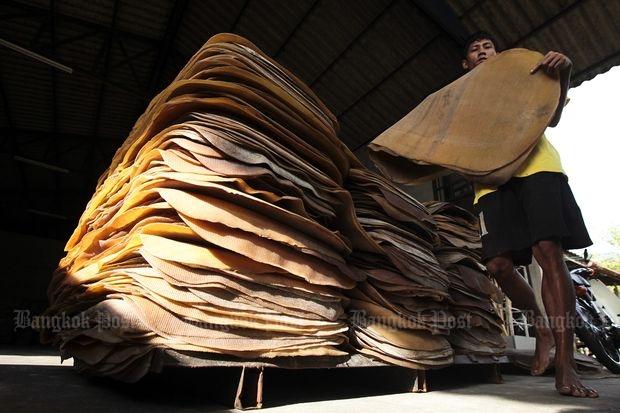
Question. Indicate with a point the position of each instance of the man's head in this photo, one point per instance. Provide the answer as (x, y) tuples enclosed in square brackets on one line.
[(478, 48)]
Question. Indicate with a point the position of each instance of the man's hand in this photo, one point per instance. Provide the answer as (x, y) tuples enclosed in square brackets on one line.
[(558, 66), (553, 64)]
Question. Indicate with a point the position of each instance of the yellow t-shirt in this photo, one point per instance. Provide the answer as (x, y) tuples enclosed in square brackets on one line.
[(543, 158)]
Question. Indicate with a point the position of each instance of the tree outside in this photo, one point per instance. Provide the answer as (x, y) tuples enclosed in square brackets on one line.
[(612, 260)]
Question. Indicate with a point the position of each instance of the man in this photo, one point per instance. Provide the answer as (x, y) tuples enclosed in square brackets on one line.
[(535, 213)]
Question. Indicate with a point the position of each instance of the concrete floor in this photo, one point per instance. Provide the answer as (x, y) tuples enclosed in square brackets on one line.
[(34, 381)]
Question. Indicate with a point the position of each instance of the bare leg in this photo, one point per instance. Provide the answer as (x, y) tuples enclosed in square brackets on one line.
[(522, 295), (559, 298)]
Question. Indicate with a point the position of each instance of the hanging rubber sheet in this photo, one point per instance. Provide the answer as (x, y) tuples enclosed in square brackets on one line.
[(483, 125)]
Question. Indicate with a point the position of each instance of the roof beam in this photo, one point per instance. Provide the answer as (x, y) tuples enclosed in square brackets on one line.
[(233, 28), (166, 44), (361, 34), (36, 56), (38, 10), (297, 26), (43, 26), (547, 22), (471, 8), (165, 49), (442, 14), (74, 69), (129, 62), (76, 38), (130, 59), (106, 48)]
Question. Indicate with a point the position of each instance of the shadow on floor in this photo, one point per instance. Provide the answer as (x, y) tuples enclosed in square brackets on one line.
[(30, 388)]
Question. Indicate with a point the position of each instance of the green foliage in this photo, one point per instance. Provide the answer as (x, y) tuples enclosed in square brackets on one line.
[(614, 236), (612, 264), (612, 261)]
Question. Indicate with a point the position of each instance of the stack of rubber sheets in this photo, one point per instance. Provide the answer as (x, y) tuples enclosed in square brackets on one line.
[(475, 299), (399, 314), (458, 231), (221, 225)]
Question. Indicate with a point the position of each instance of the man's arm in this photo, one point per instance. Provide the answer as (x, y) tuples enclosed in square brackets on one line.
[(556, 65)]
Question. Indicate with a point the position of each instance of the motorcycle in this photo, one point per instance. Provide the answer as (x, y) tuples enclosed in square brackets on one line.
[(593, 325)]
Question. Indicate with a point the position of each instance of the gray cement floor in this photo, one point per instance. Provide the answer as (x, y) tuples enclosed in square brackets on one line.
[(34, 381)]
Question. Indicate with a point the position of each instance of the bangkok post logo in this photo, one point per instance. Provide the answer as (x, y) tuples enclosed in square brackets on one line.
[(21, 320)]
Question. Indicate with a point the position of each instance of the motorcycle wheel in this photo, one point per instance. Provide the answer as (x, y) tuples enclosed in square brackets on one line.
[(597, 340)]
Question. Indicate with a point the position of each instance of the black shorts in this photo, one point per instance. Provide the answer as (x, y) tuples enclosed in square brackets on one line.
[(526, 210)]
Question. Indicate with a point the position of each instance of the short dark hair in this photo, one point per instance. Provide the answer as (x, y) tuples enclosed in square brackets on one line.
[(480, 35)]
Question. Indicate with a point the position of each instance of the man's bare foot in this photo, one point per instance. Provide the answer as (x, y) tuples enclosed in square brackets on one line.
[(567, 383), (544, 344)]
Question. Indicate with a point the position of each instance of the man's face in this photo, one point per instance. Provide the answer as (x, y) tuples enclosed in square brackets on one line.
[(478, 52)]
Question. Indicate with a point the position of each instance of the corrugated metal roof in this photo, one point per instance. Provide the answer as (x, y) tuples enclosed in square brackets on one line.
[(371, 61), (203, 19), (144, 17), (309, 52), (588, 31)]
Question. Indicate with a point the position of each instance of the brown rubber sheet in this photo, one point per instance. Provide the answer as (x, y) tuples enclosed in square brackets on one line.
[(482, 125)]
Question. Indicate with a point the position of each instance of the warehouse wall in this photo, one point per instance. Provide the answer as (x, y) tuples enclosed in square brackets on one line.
[(28, 263)]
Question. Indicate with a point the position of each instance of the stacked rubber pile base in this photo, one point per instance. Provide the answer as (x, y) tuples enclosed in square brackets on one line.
[(221, 225), (398, 315), (475, 299)]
